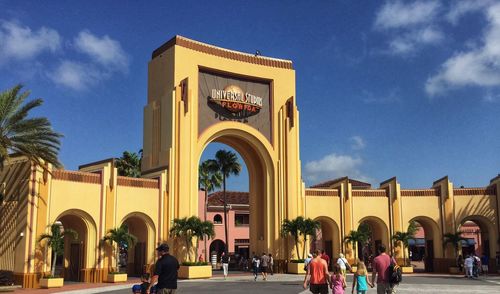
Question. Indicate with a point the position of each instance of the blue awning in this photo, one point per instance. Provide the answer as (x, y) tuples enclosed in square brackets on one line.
[(416, 242), (469, 242)]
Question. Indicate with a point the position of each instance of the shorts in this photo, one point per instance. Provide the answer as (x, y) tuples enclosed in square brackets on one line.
[(318, 288)]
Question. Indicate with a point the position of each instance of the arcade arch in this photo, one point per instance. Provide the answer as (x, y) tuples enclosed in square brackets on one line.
[(79, 253), (482, 235), (253, 149), (328, 237), (142, 252), (379, 234), (426, 244)]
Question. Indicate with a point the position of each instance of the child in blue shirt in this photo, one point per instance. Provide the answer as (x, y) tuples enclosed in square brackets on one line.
[(361, 281)]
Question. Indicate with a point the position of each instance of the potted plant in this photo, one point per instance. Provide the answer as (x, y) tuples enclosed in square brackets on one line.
[(454, 239), (403, 238), (121, 237), (296, 228), (55, 241), (189, 229)]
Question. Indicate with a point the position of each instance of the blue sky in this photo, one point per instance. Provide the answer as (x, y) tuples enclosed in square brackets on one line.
[(384, 88)]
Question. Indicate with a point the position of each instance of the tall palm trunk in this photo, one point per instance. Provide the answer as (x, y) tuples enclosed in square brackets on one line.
[(305, 244), (53, 269), (117, 257), (205, 219), (297, 247), (225, 214)]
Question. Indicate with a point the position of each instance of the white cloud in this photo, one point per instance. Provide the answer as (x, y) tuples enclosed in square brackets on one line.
[(401, 14), (357, 143), (410, 25), (477, 67), (21, 43), (461, 8), (104, 51), (76, 76), (333, 166)]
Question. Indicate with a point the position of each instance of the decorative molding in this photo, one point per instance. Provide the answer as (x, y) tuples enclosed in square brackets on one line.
[(221, 52), (75, 176), (370, 193), (421, 192), (138, 182), (322, 192), (491, 190)]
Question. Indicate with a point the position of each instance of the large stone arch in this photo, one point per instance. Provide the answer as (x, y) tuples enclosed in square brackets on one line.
[(433, 239), (380, 231), (255, 150), (489, 233), (330, 236), (143, 252), (80, 255)]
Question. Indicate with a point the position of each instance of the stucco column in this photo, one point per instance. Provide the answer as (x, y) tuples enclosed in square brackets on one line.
[(447, 212)]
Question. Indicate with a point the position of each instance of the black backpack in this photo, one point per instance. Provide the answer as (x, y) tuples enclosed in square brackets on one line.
[(395, 274)]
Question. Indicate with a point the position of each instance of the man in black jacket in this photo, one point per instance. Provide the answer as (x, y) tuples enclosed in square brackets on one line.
[(165, 272)]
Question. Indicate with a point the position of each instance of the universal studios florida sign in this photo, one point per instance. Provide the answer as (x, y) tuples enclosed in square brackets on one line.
[(235, 100)]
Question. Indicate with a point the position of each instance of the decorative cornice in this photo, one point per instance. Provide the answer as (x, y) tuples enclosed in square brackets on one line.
[(222, 52), (421, 192), (74, 176), (491, 190), (322, 192), (369, 193), (138, 182)]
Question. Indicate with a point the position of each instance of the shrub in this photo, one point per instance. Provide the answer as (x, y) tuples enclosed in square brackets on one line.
[(297, 261)]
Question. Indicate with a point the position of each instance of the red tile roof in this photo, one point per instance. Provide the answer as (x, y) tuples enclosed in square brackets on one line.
[(355, 184), (233, 197)]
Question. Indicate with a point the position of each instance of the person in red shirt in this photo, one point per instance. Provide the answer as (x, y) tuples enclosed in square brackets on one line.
[(380, 272), (326, 258), (317, 275)]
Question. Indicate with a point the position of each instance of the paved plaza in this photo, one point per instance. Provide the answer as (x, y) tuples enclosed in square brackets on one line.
[(416, 283)]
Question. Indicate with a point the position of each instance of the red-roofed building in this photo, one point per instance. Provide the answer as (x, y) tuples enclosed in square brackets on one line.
[(238, 218)]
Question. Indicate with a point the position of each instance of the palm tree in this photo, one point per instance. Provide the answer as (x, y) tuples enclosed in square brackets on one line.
[(208, 181), (121, 237), (189, 228), (309, 228), (55, 240), (30, 137), (203, 230), (292, 228), (355, 237), (129, 165), (454, 239), (226, 162), (404, 238)]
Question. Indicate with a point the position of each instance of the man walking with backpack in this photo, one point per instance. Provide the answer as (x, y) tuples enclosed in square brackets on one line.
[(381, 273)]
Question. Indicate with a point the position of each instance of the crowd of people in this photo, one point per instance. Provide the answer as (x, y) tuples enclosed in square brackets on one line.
[(472, 266), (318, 278)]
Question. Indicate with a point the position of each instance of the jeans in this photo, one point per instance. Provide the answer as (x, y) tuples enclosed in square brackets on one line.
[(468, 271)]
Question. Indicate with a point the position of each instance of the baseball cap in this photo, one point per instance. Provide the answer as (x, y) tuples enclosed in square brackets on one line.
[(162, 247)]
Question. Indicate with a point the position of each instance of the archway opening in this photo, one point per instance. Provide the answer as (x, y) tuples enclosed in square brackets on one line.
[(476, 237), (327, 238), (377, 233), (73, 260), (425, 245), (133, 257), (237, 215)]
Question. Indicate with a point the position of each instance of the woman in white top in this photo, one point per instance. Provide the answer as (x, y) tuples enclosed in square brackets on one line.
[(343, 263)]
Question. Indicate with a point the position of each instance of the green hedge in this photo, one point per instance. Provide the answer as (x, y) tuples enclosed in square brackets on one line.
[(297, 261)]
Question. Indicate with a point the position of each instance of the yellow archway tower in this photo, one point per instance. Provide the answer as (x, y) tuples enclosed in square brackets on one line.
[(198, 94)]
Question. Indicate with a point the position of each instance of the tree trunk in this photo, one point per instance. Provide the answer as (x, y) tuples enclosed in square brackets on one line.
[(53, 269), (206, 208), (188, 246), (117, 257), (297, 247), (305, 244), (196, 252), (225, 215), (355, 249)]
